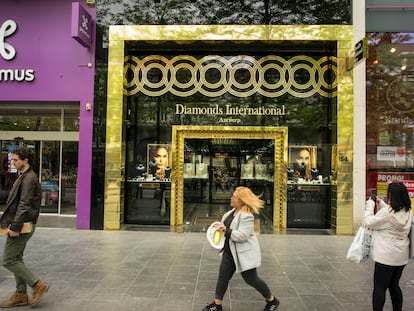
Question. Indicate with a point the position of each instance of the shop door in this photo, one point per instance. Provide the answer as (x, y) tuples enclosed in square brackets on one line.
[(213, 168)]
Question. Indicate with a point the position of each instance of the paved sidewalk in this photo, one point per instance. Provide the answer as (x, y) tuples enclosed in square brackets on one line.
[(154, 271)]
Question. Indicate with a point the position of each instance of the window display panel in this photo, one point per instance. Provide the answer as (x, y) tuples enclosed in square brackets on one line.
[(49, 178), (69, 177), (390, 108), (148, 188)]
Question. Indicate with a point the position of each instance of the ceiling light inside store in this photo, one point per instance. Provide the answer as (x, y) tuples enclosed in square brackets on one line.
[(393, 50)]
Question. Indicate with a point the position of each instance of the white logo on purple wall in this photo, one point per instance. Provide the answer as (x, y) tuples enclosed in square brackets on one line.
[(84, 27), (85, 22), (7, 51)]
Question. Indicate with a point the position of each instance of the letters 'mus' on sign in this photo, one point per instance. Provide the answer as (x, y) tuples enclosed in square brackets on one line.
[(81, 29), (359, 52), (8, 53)]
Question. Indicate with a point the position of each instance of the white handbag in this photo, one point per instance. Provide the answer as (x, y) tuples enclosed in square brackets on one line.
[(360, 246)]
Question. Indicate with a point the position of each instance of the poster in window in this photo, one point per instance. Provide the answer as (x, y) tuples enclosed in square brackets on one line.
[(302, 159), (158, 156)]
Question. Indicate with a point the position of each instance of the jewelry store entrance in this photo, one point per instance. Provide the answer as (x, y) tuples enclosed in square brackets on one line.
[(210, 161)]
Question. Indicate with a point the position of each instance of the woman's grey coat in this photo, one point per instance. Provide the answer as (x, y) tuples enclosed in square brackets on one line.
[(244, 245)]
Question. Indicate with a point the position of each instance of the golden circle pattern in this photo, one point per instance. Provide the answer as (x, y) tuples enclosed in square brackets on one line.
[(241, 76)]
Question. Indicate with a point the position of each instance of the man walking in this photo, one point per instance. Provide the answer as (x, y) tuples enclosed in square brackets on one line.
[(22, 206)]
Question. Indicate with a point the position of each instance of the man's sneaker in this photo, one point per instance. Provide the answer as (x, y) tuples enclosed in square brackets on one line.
[(213, 307), (272, 305)]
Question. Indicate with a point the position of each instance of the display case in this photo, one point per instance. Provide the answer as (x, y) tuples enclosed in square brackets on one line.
[(308, 206), (149, 202)]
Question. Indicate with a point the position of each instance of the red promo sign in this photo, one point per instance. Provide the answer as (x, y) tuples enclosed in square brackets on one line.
[(384, 178), (410, 187), (394, 176)]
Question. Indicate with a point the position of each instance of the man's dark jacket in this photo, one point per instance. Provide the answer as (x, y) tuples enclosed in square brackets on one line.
[(23, 202)]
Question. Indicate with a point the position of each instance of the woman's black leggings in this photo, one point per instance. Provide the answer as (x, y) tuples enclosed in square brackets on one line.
[(226, 271), (387, 277)]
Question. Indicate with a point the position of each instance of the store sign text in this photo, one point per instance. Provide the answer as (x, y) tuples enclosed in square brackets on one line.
[(391, 177), (231, 110), (389, 120), (8, 53)]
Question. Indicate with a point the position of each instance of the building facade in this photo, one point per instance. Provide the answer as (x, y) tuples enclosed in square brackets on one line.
[(247, 98), (171, 105), (47, 66)]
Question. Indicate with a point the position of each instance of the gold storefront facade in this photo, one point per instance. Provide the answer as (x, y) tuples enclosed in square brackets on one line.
[(130, 74)]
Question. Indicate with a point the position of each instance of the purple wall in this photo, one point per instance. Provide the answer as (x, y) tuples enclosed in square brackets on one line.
[(43, 42)]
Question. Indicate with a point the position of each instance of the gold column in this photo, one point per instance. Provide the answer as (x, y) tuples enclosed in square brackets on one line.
[(345, 115), (115, 154)]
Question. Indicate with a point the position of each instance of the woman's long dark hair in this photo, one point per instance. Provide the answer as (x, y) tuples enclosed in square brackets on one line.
[(398, 197)]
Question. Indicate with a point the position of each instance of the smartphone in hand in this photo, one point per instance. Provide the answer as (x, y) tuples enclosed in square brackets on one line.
[(374, 195)]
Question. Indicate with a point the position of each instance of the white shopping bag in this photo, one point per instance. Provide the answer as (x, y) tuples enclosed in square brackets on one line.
[(411, 237), (360, 246), (215, 237)]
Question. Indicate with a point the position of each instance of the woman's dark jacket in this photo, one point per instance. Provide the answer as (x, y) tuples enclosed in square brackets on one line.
[(23, 202)]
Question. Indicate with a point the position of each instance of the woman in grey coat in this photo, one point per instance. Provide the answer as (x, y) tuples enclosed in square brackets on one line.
[(241, 251)]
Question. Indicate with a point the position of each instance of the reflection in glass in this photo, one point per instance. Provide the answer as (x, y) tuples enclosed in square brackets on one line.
[(46, 118), (69, 177), (71, 120), (8, 173), (390, 107), (50, 176)]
